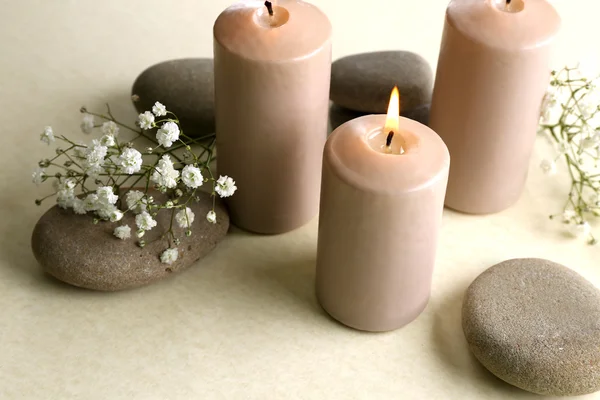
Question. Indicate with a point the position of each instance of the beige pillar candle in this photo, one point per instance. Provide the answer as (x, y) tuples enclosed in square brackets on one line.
[(272, 77), (493, 70), (381, 209)]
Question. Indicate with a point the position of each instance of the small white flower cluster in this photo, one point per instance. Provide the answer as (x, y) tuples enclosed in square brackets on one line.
[(103, 161), (570, 120)]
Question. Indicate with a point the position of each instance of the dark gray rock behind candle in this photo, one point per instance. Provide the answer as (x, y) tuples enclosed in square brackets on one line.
[(185, 87), (536, 325), (363, 82), (74, 250), (339, 115)]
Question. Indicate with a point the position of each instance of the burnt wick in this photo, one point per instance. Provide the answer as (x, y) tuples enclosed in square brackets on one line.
[(269, 6), (388, 140)]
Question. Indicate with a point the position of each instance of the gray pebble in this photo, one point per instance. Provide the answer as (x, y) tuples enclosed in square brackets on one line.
[(536, 325), (74, 250), (363, 82), (185, 87)]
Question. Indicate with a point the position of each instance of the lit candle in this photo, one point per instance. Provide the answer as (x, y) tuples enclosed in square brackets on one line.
[(272, 71), (493, 70), (382, 195)]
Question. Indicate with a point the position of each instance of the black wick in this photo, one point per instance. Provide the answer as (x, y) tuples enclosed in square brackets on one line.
[(388, 140), (269, 6), (508, 2)]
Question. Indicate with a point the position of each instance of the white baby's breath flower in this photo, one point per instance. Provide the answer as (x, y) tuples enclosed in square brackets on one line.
[(80, 151), (169, 256), (167, 134), (159, 109), (122, 232), (146, 120), (192, 176), (134, 200), (90, 203), (130, 160), (164, 174), (225, 186), (591, 142), (569, 215), (549, 167), (48, 135), (110, 128), (87, 123), (65, 198), (94, 159), (144, 221), (580, 229), (115, 215), (105, 210), (185, 218), (38, 175), (211, 217), (549, 102), (79, 206), (106, 195), (108, 140)]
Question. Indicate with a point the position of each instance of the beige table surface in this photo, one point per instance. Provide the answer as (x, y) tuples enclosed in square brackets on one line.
[(243, 323)]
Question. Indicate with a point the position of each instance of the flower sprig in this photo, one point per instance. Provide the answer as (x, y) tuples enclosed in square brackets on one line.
[(570, 118), (89, 178)]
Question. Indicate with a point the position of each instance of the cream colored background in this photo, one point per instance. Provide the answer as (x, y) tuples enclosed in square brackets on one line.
[(243, 323)]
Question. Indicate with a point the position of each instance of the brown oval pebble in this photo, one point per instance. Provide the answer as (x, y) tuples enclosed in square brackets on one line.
[(74, 250), (536, 325), (185, 87)]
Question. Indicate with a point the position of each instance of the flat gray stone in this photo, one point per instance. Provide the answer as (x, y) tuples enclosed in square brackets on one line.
[(536, 325), (363, 82), (185, 87), (340, 115), (74, 250)]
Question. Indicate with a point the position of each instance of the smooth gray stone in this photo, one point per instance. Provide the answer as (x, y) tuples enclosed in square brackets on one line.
[(536, 325), (363, 82), (74, 250), (185, 87), (339, 115)]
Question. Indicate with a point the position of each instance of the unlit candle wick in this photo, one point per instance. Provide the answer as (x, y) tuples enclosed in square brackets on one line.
[(269, 6), (388, 140), (508, 2)]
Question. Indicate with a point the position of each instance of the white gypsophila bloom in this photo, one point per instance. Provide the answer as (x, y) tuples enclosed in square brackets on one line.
[(591, 142), (159, 109), (549, 167), (144, 221), (225, 186), (90, 203), (185, 218), (549, 101), (108, 140), (79, 206), (94, 159), (580, 229), (569, 215), (106, 195), (192, 176), (588, 104), (211, 217), (130, 161), (65, 198), (87, 123), (169, 256), (164, 174), (146, 120), (38, 175), (122, 232), (167, 134), (135, 201), (48, 135), (105, 210), (115, 215), (110, 128)]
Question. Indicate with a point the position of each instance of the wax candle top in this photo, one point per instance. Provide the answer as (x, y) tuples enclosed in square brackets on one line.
[(355, 160), (295, 29), (524, 24)]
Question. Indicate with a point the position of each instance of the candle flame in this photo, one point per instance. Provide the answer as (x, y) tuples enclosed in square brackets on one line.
[(392, 122)]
